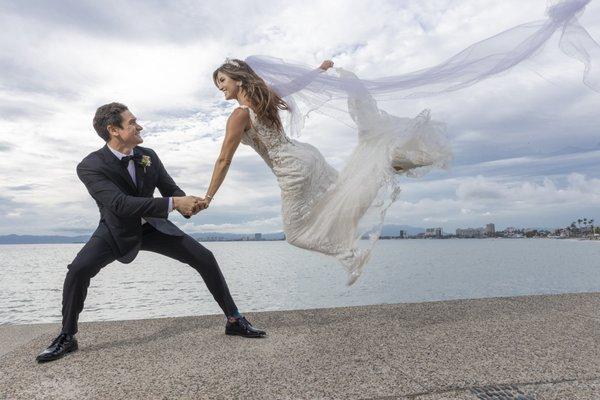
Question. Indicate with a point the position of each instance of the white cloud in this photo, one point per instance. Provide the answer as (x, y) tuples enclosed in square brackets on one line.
[(504, 200), (479, 189)]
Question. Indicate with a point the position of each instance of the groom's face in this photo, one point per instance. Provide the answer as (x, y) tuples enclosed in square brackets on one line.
[(129, 133)]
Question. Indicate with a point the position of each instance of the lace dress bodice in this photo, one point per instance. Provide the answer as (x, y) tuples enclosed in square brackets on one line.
[(302, 174), (265, 140)]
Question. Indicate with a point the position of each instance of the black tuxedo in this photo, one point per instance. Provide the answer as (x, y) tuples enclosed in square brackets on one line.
[(121, 235), (122, 203)]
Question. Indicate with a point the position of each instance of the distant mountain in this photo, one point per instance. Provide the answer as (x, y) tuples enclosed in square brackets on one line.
[(394, 230), (235, 236), (50, 239), (34, 239), (388, 230)]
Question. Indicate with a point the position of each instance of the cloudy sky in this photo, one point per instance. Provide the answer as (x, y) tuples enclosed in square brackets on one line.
[(527, 143)]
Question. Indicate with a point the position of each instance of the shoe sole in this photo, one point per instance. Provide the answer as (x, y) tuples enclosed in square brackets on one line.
[(41, 361), (246, 336)]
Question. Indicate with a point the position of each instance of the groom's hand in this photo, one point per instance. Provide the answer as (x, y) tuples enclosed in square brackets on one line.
[(186, 205), (201, 204)]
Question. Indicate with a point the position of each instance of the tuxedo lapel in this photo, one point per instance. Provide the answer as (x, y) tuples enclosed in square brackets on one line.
[(115, 165), (140, 174)]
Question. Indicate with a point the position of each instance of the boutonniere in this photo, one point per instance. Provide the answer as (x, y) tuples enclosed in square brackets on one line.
[(145, 162)]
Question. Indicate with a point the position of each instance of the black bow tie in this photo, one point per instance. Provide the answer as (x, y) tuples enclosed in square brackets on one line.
[(135, 157)]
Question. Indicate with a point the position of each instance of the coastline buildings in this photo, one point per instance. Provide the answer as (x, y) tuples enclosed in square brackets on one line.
[(214, 239), (488, 231), (236, 237), (470, 233), (515, 233), (434, 233)]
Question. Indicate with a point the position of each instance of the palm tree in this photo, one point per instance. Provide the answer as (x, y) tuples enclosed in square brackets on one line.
[(571, 229), (579, 221), (592, 225)]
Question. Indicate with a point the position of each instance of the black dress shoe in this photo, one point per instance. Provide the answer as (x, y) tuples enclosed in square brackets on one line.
[(242, 327), (62, 345)]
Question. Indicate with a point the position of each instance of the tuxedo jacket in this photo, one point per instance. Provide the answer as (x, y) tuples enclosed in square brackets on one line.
[(123, 204)]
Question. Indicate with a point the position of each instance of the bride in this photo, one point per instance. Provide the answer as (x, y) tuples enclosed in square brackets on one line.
[(321, 207), (329, 211)]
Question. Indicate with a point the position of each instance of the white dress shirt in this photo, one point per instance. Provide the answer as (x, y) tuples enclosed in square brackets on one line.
[(131, 170)]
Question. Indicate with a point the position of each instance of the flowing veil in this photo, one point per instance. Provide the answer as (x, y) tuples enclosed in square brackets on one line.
[(479, 61)]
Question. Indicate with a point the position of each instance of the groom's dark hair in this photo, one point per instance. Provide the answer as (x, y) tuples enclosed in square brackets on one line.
[(108, 114)]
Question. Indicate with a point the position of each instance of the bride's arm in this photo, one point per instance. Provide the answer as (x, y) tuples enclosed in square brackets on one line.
[(285, 89), (236, 124)]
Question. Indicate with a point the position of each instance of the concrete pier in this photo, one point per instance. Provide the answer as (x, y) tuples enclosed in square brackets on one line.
[(533, 347)]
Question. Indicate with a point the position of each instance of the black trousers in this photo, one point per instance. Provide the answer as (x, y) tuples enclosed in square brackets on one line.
[(96, 254)]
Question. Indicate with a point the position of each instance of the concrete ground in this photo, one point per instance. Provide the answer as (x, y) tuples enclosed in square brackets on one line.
[(533, 347)]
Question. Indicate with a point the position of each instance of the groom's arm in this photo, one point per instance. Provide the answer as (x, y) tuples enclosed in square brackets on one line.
[(106, 193)]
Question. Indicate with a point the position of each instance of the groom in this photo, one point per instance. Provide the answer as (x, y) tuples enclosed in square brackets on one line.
[(122, 177)]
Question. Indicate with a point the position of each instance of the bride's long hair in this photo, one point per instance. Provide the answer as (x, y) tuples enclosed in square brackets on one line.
[(265, 102)]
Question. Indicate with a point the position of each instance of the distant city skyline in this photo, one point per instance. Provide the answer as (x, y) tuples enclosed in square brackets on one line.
[(388, 231)]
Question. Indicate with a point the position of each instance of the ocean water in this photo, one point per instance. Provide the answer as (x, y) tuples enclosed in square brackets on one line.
[(276, 276)]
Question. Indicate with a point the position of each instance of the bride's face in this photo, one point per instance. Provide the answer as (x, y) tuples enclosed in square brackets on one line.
[(228, 86)]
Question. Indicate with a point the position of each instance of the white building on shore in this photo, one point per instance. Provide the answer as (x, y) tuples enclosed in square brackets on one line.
[(470, 233), (434, 232)]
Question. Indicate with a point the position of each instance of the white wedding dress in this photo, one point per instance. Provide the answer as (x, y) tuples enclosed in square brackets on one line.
[(324, 210)]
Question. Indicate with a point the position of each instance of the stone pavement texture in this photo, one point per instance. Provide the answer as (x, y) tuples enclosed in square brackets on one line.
[(533, 347)]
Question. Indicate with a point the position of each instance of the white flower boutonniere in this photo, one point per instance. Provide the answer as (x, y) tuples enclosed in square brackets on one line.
[(145, 162)]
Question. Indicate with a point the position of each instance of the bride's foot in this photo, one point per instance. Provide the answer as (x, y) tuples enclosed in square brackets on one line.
[(403, 165), (411, 160)]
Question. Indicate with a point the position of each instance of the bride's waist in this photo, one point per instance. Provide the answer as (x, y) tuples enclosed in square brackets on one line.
[(281, 150), (293, 156)]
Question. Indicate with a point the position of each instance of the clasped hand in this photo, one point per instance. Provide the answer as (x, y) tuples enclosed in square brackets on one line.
[(189, 205)]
